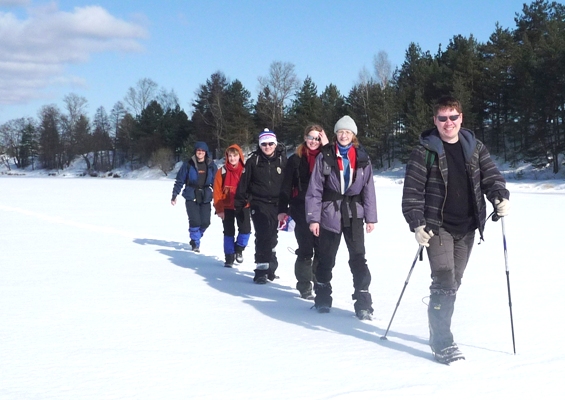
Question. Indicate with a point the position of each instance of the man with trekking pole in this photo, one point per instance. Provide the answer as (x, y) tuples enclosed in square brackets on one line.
[(447, 178)]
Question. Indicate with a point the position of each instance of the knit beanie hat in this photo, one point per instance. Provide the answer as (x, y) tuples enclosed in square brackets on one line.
[(267, 136), (346, 122)]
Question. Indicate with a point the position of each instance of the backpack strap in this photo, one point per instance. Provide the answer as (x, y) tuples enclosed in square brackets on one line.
[(347, 202), (430, 159)]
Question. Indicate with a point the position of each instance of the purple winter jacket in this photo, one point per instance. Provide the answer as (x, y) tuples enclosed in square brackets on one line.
[(328, 214)]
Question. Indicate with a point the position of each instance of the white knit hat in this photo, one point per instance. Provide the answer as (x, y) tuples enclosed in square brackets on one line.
[(346, 122), (267, 136)]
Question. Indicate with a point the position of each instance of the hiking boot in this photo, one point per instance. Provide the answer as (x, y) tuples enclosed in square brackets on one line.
[(261, 273), (239, 253), (322, 309), (194, 246), (449, 355), (323, 294), (362, 305), (229, 260), (323, 299), (364, 315)]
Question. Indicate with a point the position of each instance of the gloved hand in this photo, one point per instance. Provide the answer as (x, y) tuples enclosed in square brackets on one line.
[(502, 207), (423, 237)]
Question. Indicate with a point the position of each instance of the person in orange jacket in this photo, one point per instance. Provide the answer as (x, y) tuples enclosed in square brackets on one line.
[(225, 185)]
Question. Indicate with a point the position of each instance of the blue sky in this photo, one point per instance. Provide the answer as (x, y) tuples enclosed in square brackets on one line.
[(100, 48)]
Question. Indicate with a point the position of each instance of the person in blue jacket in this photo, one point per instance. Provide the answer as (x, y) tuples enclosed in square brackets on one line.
[(197, 177)]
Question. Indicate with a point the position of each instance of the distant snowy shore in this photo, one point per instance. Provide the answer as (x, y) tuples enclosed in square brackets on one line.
[(523, 177)]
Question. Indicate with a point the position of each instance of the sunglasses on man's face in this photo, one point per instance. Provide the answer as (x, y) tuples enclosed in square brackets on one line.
[(268, 144), (317, 139), (443, 118)]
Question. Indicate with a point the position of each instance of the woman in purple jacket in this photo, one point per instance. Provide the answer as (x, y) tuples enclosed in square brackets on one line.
[(340, 197)]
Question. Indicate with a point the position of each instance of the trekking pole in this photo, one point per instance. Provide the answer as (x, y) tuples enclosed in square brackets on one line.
[(419, 253), (508, 282)]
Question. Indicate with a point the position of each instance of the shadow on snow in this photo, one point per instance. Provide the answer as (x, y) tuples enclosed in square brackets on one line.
[(278, 301)]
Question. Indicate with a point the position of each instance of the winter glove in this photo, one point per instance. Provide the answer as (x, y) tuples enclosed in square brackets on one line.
[(423, 237), (502, 207)]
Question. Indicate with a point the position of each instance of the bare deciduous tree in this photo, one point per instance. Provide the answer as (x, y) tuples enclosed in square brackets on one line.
[(383, 68), (17, 139), (117, 113), (164, 159), (168, 100), (10, 137), (75, 127), (139, 97), (75, 106), (281, 83)]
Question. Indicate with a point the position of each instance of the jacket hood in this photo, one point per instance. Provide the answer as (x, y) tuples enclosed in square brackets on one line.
[(240, 152), (431, 140), (203, 146)]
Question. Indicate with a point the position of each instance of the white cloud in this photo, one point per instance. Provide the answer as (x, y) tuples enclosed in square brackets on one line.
[(34, 51)]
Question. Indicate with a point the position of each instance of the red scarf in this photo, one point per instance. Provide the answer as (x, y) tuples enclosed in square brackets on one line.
[(233, 174), (311, 157)]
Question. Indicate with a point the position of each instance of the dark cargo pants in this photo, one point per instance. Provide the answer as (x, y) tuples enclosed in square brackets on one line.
[(448, 255)]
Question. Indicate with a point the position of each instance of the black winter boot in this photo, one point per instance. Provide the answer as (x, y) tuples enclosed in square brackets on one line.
[(229, 260), (273, 265), (194, 246), (261, 273), (304, 277), (323, 299), (440, 311), (362, 305)]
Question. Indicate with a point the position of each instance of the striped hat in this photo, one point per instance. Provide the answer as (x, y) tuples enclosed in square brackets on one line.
[(267, 136)]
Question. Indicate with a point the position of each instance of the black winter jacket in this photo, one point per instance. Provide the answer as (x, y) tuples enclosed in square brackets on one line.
[(261, 179), (295, 183), (424, 191)]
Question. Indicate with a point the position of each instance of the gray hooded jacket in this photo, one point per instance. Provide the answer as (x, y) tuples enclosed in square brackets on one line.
[(328, 213), (425, 190)]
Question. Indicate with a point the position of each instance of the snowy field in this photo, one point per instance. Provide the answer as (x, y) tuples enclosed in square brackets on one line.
[(100, 299)]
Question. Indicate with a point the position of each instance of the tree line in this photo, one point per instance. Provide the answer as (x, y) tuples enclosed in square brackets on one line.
[(512, 89)]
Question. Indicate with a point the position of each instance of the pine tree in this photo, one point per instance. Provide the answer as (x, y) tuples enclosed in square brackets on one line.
[(238, 116), (50, 154), (333, 107), (101, 142), (209, 109), (414, 105), (306, 108)]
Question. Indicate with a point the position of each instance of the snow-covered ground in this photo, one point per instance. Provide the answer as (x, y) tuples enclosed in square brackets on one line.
[(100, 299)]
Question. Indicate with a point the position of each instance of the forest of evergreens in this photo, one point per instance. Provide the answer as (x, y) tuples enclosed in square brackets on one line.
[(512, 89)]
